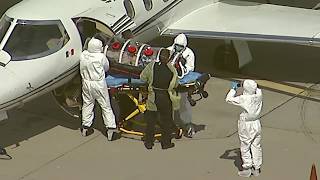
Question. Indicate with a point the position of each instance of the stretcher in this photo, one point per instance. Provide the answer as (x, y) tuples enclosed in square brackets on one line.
[(127, 59), (130, 96), (127, 92), (193, 83)]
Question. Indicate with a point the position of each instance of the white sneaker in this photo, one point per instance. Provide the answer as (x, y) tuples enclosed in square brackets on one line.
[(255, 172), (111, 134), (84, 132), (245, 173), (190, 131)]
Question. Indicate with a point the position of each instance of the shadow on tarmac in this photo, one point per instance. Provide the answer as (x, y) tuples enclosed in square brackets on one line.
[(235, 157), (37, 117), (272, 61), (34, 118)]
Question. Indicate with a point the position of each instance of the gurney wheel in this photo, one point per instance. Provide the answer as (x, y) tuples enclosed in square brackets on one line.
[(143, 138), (205, 94), (178, 134), (192, 102)]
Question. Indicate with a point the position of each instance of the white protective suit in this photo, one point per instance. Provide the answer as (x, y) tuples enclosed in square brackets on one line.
[(93, 65), (249, 127), (181, 41), (185, 52)]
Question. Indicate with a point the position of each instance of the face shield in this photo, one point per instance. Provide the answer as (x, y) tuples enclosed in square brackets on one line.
[(178, 48), (180, 43)]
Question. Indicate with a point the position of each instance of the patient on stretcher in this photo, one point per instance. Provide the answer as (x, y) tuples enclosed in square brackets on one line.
[(127, 90), (128, 58)]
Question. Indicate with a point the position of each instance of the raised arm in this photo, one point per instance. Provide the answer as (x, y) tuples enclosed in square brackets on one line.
[(232, 99)]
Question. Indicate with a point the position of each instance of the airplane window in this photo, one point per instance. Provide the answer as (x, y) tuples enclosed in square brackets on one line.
[(129, 8), (4, 26), (35, 39), (147, 4)]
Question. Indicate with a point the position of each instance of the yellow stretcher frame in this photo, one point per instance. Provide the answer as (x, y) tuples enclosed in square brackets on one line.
[(141, 108)]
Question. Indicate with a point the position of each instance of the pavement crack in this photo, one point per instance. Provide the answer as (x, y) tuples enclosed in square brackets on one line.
[(305, 129), (288, 100)]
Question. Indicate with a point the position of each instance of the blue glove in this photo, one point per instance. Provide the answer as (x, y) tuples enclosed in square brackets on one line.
[(234, 85)]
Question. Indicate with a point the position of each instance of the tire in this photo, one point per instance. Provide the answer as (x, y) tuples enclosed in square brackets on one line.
[(226, 58), (205, 94)]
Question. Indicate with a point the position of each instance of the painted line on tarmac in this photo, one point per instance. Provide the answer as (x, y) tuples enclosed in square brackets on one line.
[(283, 87), (280, 87), (289, 89)]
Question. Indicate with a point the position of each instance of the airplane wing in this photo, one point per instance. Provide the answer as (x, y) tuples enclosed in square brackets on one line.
[(250, 21)]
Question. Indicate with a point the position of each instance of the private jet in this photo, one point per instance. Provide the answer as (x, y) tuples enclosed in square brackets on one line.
[(41, 40)]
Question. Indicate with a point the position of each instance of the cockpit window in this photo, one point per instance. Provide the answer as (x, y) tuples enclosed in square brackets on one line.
[(5, 23), (35, 39)]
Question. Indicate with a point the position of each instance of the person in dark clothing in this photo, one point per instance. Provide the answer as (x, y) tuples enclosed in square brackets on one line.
[(162, 78)]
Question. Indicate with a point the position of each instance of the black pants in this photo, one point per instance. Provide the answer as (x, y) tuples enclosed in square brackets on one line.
[(164, 113)]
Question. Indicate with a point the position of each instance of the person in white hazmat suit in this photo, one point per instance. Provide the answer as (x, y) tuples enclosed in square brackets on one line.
[(249, 127), (93, 65), (180, 49)]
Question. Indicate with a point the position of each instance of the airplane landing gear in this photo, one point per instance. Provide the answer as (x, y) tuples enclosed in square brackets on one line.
[(232, 55), (226, 58)]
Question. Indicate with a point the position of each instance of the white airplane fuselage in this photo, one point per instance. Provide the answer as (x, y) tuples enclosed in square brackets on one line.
[(28, 76)]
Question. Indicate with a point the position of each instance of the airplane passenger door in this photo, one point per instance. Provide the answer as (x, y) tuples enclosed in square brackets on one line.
[(114, 18), (89, 28)]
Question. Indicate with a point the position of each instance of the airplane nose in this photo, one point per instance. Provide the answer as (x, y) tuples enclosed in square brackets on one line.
[(10, 87)]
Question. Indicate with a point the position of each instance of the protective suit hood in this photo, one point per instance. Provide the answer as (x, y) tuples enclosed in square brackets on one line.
[(249, 87), (181, 40), (95, 46)]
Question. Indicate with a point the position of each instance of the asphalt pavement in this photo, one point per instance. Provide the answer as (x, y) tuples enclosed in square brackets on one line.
[(45, 143)]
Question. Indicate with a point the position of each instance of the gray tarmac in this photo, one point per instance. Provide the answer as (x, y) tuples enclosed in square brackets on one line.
[(45, 142)]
